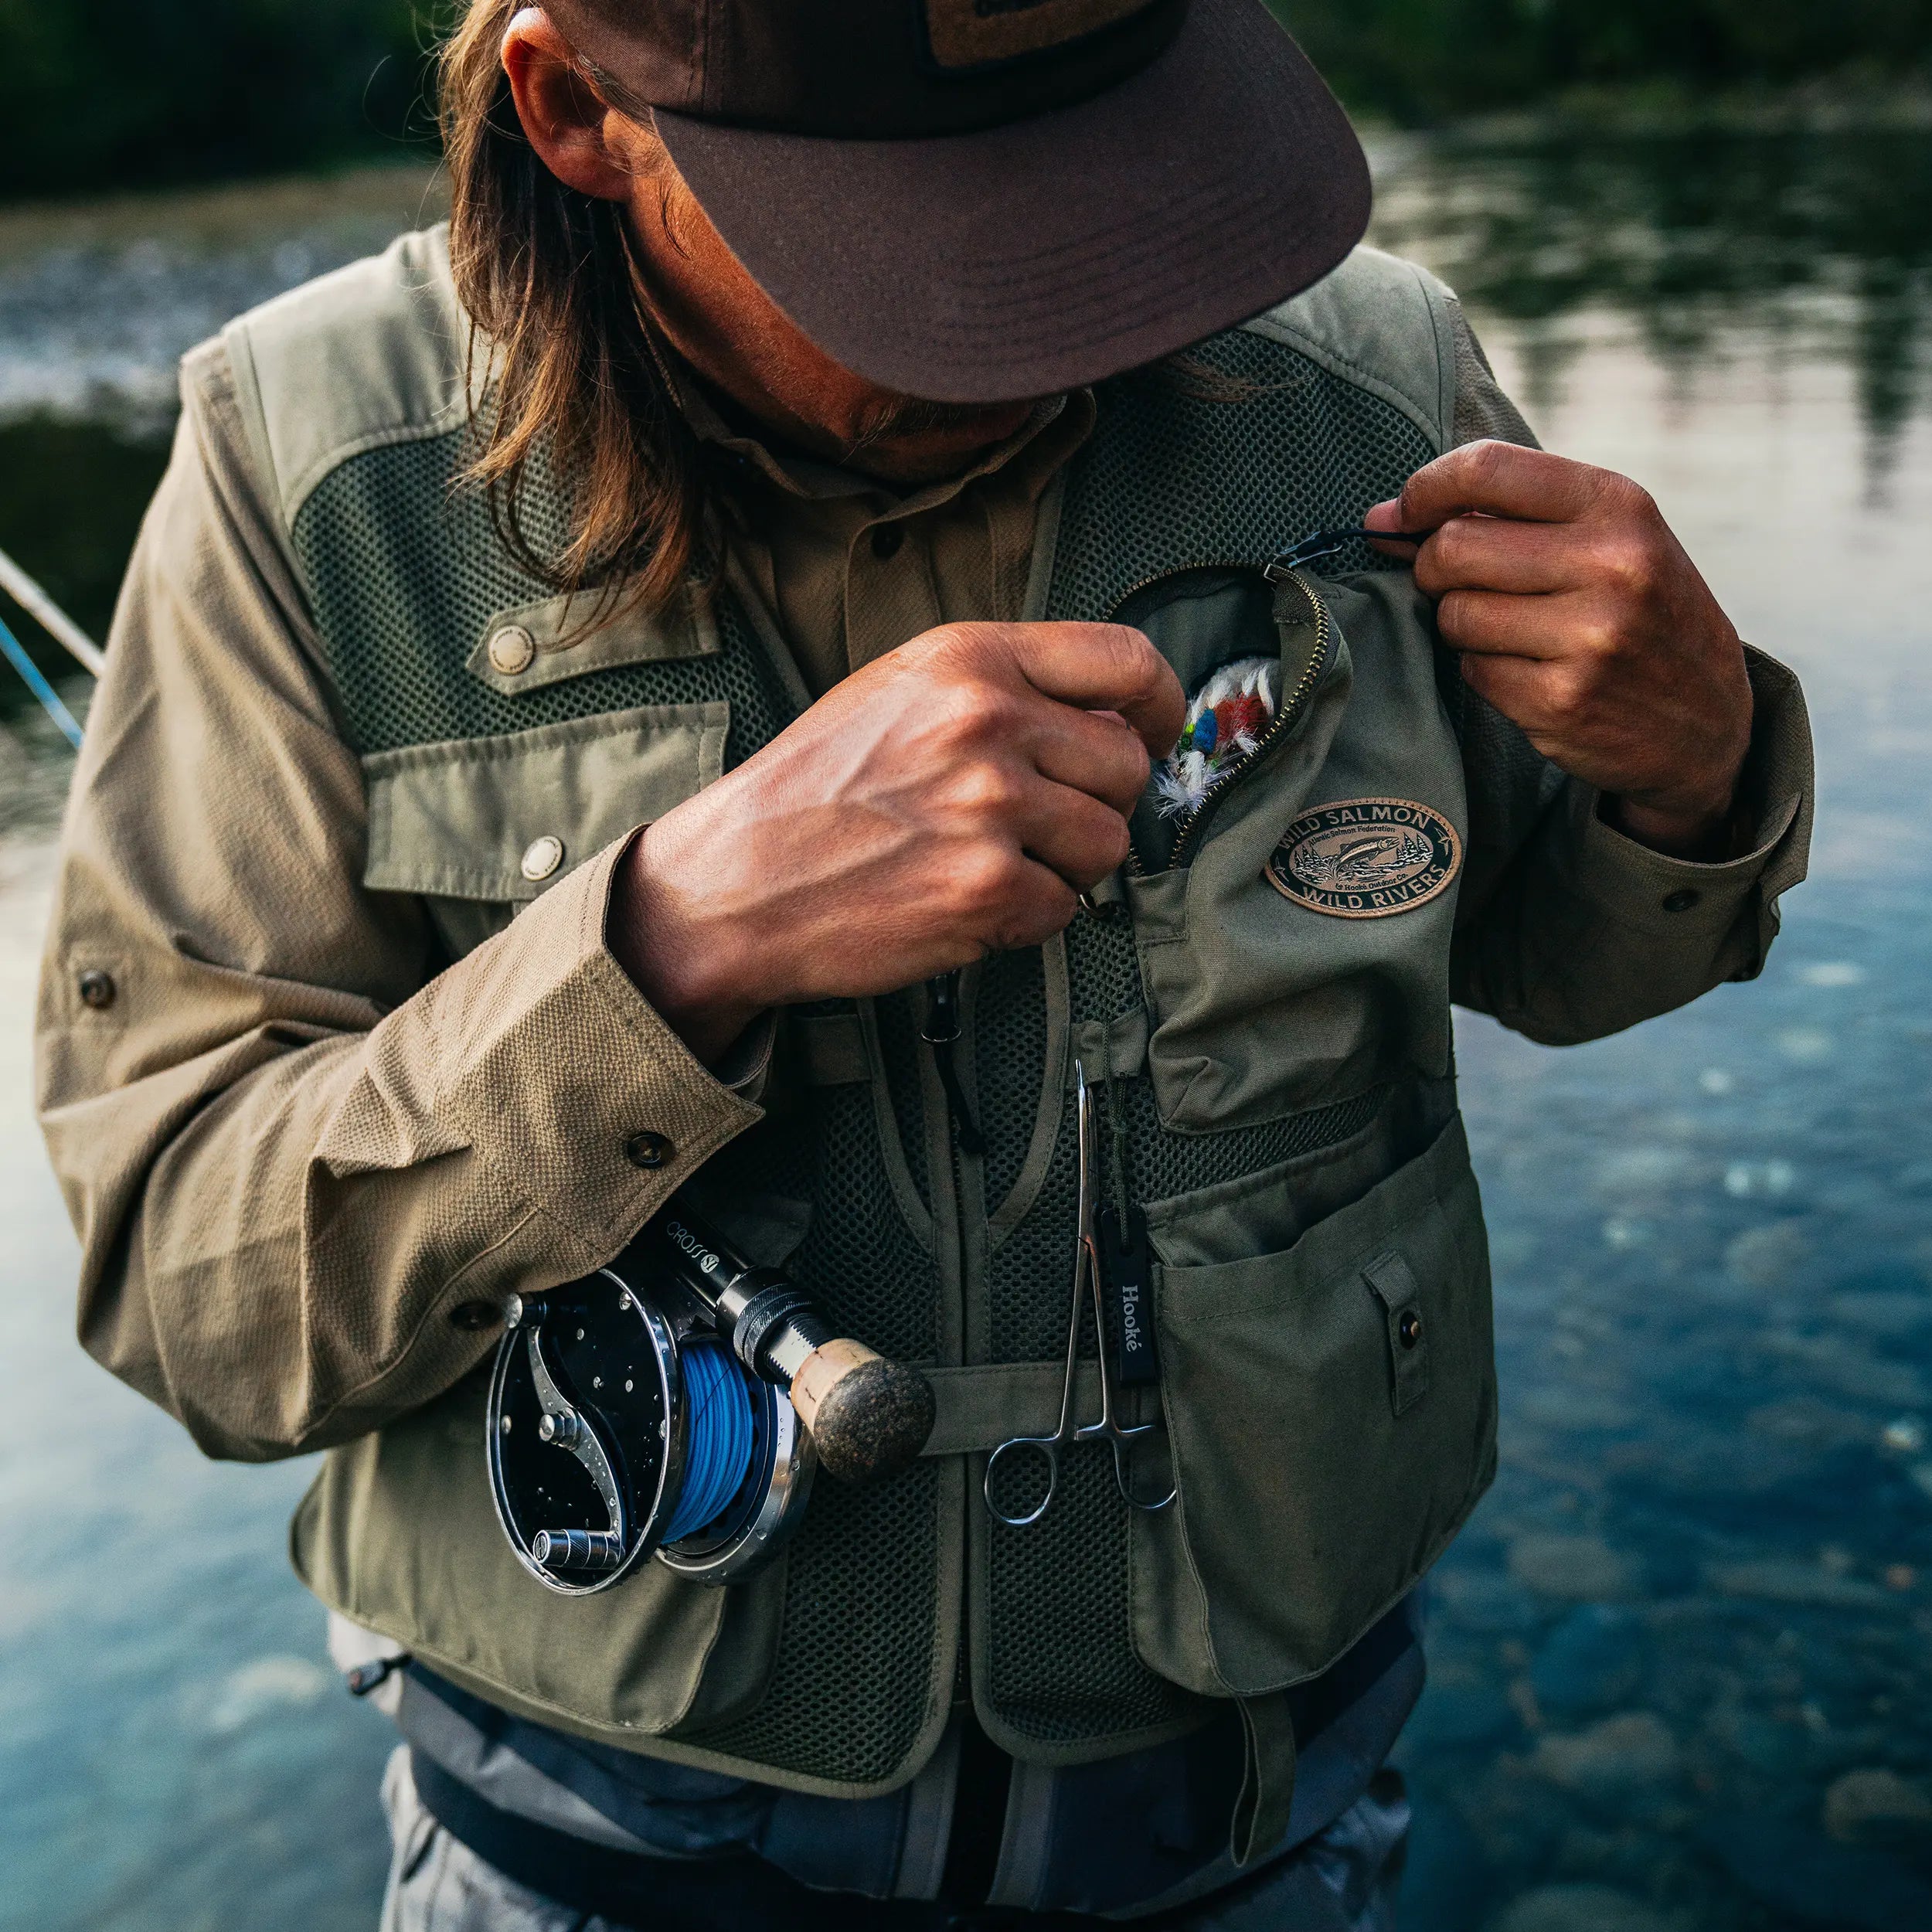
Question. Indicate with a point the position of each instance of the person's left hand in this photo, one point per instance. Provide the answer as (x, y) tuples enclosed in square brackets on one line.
[(1579, 616)]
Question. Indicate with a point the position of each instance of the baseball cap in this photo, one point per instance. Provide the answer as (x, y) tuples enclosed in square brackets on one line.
[(976, 201)]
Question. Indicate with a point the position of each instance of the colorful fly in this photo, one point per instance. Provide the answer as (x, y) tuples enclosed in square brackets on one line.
[(1225, 722)]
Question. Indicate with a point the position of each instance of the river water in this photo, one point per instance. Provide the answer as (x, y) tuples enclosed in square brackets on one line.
[(1682, 1661)]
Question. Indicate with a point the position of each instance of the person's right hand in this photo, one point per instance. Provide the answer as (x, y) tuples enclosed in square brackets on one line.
[(950, 800)]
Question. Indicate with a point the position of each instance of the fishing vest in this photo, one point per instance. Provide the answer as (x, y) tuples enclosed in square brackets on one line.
[(1270, 1016)]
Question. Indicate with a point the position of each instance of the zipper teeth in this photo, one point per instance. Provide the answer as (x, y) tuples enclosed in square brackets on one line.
[(1291, 709)]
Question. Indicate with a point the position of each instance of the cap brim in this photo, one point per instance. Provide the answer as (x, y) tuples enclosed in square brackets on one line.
[(1058, 250)]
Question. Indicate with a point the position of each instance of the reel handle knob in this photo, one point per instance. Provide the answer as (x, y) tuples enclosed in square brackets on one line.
[(868, 1417)]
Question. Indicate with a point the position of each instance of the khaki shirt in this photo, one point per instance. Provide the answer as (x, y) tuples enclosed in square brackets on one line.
[(306, 1166)]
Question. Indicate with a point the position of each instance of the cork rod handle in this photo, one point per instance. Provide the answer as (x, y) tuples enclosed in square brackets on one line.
[(868, 1417)]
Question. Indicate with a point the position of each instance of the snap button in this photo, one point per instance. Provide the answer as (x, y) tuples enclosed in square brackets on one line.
[(886, 539), (512, 650), (647, 1151), (474, 1316), (1408, 1328), (541, 857), (97, 988), (1681, 902)]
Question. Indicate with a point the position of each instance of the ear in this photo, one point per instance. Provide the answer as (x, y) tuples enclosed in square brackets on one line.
[(576, 134)]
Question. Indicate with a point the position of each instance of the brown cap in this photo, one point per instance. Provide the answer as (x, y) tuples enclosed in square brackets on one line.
[(980, 200)]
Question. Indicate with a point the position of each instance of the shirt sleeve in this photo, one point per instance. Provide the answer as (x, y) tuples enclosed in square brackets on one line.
[(1566, 929), (306, 1174)]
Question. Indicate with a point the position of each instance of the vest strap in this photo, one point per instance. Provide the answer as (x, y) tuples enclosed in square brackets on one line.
[(1267, 1775), (980, 1406)]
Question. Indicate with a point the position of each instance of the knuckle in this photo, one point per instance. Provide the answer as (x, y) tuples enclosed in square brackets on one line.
[(987, 789), (983, 883), (1042, 912)]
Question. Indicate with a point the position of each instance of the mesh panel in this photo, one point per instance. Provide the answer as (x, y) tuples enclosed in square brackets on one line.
[(900, 1047), (1061, 1669), (404, 572), (850, 1681), (849, 1690), (1009, 1032), (1236, 482)]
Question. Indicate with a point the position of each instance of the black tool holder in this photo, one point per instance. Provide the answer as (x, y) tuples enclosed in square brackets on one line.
[(589, 1428)]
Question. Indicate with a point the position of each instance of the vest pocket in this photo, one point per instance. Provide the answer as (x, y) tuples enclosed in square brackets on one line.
[(1332, 1414), (501, 819)]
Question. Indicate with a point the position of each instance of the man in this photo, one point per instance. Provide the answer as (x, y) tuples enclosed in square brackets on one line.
[(576, 678)]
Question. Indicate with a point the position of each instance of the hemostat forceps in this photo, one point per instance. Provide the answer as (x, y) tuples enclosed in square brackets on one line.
[(1086, 1292)]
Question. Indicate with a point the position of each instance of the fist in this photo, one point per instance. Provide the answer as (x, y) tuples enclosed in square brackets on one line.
[(1580, 616), (952, 798)]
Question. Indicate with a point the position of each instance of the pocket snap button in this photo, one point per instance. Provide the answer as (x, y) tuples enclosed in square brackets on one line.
[(541, 857), (1408, 1328), (647, 1151), (512, 650), (1681, 902)]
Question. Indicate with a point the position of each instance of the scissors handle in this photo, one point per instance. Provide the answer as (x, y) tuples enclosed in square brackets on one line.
[(1048, 1447), (1121, 1441)]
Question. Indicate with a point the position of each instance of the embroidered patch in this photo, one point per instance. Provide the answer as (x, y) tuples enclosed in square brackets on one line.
[(1225, 722), (1366, 858), (965, 33)]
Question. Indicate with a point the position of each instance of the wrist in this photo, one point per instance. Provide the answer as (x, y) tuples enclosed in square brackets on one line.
[(696, 978), (1694, 827)]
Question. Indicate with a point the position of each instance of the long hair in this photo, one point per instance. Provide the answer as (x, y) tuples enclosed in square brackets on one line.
[(575, 399)]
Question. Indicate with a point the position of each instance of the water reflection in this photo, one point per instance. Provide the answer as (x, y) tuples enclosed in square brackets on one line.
[(1794, 245), (1682, 1659)]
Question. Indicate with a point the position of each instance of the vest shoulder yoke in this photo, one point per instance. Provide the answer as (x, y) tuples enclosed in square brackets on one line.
[(371, 354), (1383, 324)]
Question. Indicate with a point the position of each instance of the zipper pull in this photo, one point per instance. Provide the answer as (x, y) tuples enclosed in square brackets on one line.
[(940, 1032), (1326, 543)]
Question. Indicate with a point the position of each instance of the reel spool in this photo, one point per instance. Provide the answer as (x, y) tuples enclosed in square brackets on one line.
[(621, 1426)]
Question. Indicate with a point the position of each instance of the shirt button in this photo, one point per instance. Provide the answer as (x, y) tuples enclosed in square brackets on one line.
[(541, 857), (886, 539), (1681, 902), (512, 650), (97, 989), (474, 1316), (647, 1151)]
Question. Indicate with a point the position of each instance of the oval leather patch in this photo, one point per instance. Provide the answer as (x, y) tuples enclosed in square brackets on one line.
[(1366, 857)]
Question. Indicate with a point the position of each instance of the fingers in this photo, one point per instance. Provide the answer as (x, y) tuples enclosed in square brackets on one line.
[(1524, 690), (1096, 667), (1499, 553), (1072, 834), (1097, 753), (1496, 623), (1501, 479)]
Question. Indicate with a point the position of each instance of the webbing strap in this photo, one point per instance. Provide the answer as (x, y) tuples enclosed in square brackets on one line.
[(980, 1406)]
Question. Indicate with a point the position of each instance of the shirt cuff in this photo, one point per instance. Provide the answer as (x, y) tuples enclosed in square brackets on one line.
[(569, 1085), (1684, 899)]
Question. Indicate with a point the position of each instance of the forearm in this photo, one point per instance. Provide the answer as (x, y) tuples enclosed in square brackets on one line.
[(296, 1233)]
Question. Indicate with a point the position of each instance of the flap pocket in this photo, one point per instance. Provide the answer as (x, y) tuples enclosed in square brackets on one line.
[(501, 818), (534, 644), (1331, 1411)]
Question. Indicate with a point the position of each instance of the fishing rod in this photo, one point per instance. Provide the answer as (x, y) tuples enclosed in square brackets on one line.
[(62, 629)]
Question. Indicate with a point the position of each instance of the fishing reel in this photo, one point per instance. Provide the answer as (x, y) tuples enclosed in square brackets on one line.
[(677, 1403)]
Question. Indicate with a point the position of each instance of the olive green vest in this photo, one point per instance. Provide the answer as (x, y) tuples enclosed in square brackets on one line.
[(1282, 1074)]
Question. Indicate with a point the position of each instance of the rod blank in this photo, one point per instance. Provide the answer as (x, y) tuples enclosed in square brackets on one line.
[(42, 609)]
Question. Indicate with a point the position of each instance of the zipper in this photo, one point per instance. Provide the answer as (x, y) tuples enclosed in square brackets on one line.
[(1287, 716), (940, 1031)]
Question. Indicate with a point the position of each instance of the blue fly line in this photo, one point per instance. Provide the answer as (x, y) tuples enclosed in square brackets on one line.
[(36, 682), (717, 1436)]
